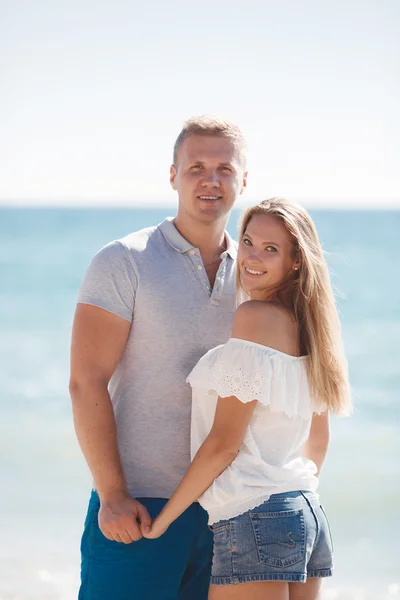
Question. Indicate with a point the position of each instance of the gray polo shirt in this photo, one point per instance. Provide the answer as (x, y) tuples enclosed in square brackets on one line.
[(155, 279)]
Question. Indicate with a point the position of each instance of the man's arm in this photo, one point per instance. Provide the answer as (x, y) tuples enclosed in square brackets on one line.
[(98, 340), (316, 446)]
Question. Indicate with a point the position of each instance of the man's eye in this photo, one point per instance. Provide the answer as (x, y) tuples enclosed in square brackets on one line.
[(196, 167), (226, 169)]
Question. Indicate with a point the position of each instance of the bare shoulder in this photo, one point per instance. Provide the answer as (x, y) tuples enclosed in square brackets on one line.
[(255, 313), (267, 324)]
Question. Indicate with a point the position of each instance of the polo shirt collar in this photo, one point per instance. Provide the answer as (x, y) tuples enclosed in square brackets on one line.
[(173, 237), (178, 242), (231, 246)]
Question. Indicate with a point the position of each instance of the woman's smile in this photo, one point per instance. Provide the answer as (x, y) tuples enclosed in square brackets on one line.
[(254, 272)]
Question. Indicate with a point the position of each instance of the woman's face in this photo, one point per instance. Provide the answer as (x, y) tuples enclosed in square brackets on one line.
[(266, 256)]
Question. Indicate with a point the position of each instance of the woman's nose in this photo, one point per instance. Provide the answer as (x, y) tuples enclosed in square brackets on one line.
[(253, 254)]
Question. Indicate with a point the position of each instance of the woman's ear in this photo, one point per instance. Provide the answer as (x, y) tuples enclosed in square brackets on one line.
[(297, 262)]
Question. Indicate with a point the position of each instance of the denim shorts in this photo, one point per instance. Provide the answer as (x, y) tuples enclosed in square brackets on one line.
[(287, 538)]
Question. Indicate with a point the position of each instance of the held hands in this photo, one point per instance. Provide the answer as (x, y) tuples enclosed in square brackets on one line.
[(156, 531), (123, 519)]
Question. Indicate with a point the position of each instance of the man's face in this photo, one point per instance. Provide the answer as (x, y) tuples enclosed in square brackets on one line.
[(208, 176)]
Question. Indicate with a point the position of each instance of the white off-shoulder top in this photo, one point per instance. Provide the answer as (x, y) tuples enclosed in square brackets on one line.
[(270, 459)]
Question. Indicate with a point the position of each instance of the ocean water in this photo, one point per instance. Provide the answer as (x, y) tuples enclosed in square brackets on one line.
[(45, 483)]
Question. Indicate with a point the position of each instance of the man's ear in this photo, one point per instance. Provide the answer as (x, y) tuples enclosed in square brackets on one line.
[(172, 176), (244, 183)]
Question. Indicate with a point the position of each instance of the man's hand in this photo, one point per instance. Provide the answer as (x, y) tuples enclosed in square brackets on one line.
[(123, 519)]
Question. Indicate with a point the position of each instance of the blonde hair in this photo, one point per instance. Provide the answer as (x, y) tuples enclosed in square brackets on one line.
[(312, 302), (212, 126)]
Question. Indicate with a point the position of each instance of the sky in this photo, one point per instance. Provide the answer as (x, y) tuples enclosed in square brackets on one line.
[(93, 95)]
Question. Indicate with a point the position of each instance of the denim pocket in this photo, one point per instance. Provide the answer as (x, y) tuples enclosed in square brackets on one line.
[(280, 537)]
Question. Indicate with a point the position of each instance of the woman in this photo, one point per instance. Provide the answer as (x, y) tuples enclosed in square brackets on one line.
[(260, 417)]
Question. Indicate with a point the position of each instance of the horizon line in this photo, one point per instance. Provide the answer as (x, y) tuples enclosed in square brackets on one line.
[(388, 203)]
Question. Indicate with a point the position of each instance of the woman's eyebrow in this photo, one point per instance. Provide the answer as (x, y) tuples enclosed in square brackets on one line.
[(265, 243)]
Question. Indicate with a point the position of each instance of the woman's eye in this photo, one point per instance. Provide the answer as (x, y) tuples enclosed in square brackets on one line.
[(247, 242), (271, 249)]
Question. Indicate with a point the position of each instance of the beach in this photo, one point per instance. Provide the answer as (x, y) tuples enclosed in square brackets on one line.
[(45, 481)]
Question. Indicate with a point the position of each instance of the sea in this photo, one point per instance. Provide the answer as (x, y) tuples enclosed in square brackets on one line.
[(45, 483)]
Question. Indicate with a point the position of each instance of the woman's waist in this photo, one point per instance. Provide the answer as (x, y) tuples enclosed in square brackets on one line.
[(253, 478), (265, 500), (273, 467)]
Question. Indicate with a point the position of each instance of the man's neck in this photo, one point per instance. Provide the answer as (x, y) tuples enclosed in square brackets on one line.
[(209, 238)]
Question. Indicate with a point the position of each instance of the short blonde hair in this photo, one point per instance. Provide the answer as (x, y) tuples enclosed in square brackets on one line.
[(212, 126)]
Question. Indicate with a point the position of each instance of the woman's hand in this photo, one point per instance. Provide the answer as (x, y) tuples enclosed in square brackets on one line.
[(156, 531)]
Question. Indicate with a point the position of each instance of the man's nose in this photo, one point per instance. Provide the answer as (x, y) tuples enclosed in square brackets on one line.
[(211, 178)]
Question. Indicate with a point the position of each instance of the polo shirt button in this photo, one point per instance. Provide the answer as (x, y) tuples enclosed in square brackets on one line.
[(199, 267), (192, 252)]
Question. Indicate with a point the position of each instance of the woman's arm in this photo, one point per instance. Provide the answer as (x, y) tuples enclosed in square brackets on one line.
[(316, 446), (222, 444), (254, 321)]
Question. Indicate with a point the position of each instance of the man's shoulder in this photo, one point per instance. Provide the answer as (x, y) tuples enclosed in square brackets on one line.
[(126, 250), (138, 240)]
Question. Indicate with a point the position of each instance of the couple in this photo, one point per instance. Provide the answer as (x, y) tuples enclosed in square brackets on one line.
[(247, 434)]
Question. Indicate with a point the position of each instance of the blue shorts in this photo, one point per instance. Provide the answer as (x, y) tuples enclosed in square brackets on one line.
[(287, 538), (175, 566)]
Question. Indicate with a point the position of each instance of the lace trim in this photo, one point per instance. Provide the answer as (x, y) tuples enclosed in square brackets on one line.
[(236, 383), (251, 374)]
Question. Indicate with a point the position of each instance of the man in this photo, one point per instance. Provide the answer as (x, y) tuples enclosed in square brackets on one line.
[(150, 306)]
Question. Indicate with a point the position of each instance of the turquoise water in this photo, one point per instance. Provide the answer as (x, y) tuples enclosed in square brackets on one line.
[(45, 482)]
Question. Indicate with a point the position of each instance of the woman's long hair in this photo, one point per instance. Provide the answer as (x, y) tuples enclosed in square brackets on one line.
[(308, 295)]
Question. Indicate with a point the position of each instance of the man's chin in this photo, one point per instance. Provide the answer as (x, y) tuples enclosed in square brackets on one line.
[(205, 214), (215, 218), (211, 214)]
